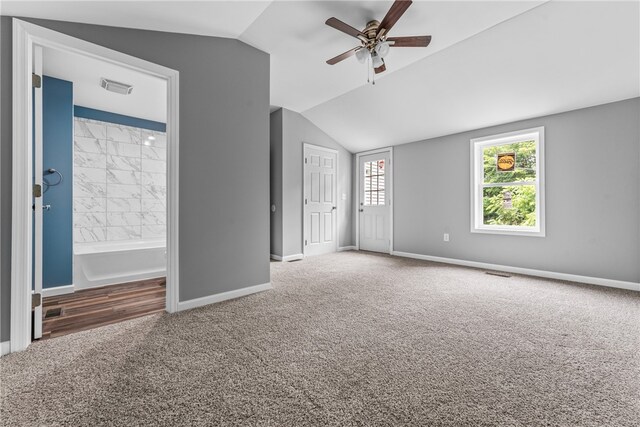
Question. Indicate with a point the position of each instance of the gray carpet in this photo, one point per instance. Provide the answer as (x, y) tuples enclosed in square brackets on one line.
[(350, 339)]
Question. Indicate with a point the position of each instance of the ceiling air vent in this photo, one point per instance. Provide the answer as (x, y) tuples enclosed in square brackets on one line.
[(117, 87)]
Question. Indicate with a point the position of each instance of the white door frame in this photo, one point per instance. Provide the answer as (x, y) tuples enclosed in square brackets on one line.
[(38, 56), (25, 35), (335, 187), (389, 189)]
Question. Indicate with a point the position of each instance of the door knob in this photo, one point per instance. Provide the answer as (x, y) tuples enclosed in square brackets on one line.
[(333, 208)]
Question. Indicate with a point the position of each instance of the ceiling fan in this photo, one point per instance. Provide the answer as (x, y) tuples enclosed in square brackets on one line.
[(374, 39)]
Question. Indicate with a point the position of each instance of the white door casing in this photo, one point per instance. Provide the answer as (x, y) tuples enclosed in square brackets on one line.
[(26, 37), (320, 200), (374, 202)]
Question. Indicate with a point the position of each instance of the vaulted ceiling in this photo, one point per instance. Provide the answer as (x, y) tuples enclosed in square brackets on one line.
[(489, 62), (557, 57)]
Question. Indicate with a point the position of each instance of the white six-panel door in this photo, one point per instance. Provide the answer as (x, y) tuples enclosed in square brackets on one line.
[(374, 202), (320, 200)]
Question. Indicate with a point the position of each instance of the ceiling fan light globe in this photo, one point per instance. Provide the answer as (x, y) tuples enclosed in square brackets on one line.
[(376, 61), (382, 49), (361, 55)]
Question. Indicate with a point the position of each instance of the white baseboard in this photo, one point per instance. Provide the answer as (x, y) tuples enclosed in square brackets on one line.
[(527, 271), (199, 302), (286, 258), (5, 348), (346, 248), (59, 290), (294, 257)]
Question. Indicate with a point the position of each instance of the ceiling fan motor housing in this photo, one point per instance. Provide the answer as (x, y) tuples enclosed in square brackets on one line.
[(371, 30)]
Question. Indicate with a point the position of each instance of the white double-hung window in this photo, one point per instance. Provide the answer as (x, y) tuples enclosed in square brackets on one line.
[(507, 183)]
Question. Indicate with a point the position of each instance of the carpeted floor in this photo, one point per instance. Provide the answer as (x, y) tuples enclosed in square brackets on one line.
[(349, 339)]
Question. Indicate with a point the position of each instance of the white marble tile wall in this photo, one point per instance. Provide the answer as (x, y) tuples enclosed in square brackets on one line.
[(120, 182)]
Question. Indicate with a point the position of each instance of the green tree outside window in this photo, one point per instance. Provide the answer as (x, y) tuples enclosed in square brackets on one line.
[(510, 204)]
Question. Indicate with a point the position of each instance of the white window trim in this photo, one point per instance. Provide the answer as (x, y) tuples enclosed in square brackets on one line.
[(477, 175)]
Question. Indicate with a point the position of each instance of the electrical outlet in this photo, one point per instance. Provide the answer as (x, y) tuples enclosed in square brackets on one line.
[(446, 237)]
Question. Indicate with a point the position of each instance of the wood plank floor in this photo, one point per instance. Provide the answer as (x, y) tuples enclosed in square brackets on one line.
[(90, 308)]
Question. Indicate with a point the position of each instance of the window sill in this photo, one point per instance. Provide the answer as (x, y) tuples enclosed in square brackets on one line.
[(509, 232)]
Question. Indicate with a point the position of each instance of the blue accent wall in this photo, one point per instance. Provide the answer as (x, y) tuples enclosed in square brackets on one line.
[(57, 121), (120, 119)]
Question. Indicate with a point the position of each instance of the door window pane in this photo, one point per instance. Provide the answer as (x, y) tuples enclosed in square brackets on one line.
[(374, 194)]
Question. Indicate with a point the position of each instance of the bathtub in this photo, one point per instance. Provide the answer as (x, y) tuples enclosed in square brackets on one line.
[(110, 263)]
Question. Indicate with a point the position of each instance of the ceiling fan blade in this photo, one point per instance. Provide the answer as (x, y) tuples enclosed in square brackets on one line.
[(345, 28), (343, 56), (397, 10), (380, 69), (413, 41)]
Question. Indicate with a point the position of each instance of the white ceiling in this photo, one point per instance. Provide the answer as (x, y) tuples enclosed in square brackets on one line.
[(558, 57), (293, 32), (207, 18), (489, 61), (299, 42), (148, 100)]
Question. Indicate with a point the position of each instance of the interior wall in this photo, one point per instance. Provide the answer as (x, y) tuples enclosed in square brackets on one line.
[(275, 181), (297, 130), (224, 149), (592, 172)]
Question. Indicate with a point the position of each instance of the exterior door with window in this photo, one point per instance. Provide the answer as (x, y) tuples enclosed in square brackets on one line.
[(320, 200), (374, 203)]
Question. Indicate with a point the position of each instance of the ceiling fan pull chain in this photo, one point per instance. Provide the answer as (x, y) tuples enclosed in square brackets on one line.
[(368, 68)]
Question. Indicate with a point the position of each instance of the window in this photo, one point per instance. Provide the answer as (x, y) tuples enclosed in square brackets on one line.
[(507, 183), (374, 183)]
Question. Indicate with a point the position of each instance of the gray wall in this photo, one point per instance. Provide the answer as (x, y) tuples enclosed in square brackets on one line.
[(592, 196), (275, 163), (5, 176), (224, 153), (296, 130)]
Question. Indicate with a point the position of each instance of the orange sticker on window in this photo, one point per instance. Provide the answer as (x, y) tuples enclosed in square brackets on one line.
[(506, 162)]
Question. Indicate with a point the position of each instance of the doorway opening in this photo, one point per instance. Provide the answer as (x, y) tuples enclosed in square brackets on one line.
[(111, 266), (97, 242)]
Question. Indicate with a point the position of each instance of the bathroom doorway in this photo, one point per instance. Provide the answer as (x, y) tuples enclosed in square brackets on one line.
[(104, 129), (103, 167)]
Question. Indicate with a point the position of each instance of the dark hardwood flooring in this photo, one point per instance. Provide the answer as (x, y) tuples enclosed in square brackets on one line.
[(90, 308)]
